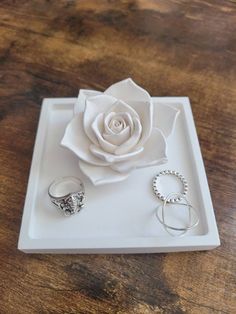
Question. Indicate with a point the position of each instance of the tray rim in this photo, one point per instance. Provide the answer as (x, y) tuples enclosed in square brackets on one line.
[(207, 241)]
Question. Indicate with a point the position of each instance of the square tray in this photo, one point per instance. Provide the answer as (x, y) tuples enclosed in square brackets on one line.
[(119, 217)]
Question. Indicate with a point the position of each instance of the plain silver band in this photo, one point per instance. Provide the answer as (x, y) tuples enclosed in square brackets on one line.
[(190, 208)]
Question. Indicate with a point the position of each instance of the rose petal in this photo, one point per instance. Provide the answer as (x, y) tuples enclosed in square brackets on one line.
[(81, 100), (145, 112), (110, 158), (154, 153), (126, 116), (128, 90), (127, 146), (101, 175), (129, 120), (94, 106), (120, 107), (164, 118), (117, 124), (97, 127), (118, 139), (77, 141), (107, 120)]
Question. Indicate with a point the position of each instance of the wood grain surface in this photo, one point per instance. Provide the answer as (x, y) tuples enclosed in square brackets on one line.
[(173, 48)]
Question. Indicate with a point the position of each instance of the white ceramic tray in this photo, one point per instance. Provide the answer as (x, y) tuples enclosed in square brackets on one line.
[(120, 217)]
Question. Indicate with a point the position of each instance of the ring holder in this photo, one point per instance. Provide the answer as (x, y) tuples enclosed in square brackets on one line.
[(174, 198)]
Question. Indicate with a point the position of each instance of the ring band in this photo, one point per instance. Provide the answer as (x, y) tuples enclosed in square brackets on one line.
[(168, 227), (169, 172), (67, 194)]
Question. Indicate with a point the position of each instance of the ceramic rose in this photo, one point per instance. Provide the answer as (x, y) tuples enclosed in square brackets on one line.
[(117, 131)]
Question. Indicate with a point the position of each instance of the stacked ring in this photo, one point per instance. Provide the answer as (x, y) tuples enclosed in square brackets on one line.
[(168, 227), (174, 198)]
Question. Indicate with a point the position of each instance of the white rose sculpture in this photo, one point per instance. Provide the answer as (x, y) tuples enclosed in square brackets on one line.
[(115, 132)]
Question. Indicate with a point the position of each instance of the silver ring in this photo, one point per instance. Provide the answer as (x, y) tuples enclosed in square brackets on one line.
[(183, 230), (169, 172), (67, 194)]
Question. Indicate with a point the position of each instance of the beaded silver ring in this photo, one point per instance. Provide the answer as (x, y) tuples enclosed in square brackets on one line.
[(169, 172)]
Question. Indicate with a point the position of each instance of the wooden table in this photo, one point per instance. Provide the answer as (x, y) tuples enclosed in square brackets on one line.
[(172, 47)]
